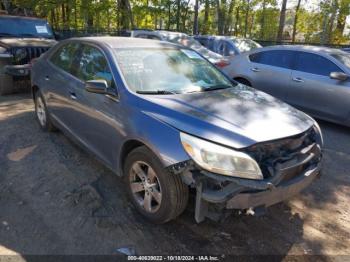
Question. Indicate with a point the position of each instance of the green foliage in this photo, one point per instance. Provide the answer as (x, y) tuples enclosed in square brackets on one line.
[(258, 19)]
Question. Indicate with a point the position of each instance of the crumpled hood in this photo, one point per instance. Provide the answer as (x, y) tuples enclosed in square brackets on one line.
[(25, 42), (237, 117)]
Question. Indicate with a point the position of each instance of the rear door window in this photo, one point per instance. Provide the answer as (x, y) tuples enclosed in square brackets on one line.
[(315, 64), (278, 58), (64, 56)]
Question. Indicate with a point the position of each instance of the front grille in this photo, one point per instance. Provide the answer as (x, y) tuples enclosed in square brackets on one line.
[(31, 53), (270, 154)]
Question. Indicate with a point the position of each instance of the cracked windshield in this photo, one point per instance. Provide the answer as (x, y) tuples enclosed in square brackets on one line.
[(169, 71)]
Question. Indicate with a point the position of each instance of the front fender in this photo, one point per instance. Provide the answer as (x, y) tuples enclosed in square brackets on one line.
[(161, 138)]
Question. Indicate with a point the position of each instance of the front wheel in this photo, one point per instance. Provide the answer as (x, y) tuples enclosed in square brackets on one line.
[(156, 193)]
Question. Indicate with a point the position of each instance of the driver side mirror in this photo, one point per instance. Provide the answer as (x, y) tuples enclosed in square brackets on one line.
[(339, 76), (96, 86)]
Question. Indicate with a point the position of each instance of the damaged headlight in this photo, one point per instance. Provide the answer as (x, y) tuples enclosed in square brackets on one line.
[(219, 159)]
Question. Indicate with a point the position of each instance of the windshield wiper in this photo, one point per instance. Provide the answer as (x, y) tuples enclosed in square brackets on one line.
[(155, 92), (216, 87)]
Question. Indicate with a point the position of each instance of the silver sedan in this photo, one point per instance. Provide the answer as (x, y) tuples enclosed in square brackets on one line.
[(314, 79)]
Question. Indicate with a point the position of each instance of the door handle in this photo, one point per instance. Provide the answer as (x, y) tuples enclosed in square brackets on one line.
[(73, 96), (298, 79), (255, 69), (47, 78)]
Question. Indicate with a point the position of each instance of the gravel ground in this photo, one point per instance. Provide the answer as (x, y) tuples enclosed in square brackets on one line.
[(57, 199)]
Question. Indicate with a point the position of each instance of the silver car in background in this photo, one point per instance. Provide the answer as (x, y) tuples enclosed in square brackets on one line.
[(227, 46), (314, 79), (185, 40)]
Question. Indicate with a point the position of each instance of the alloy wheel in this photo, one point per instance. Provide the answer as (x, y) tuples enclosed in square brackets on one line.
[(145, 186), (40, 111)]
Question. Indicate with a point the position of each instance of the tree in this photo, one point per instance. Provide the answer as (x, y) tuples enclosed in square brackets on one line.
[(206, 17), (221, 7), (178, 15), (334, 10), (7, 5), (228, 23), (126, 20), (195, 20), (344, 11), (262, 20), (282, 21), (246, 18), (237, 21), (295, 21)]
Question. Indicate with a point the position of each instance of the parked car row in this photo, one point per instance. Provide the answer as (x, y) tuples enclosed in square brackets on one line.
[(227, 45), (314, 79), (182, 39)]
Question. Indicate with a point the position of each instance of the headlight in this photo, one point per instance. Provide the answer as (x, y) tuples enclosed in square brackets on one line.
[(20, 54), (219, 159)]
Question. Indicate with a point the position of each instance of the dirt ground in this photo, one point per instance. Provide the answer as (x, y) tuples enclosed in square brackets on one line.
[(57, 199)]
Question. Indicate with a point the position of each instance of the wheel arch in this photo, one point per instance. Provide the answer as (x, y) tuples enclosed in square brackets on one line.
[(126, 148), (243, 79)]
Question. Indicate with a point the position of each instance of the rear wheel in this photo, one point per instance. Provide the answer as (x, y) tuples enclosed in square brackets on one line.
[(41, 113), (157, 194)]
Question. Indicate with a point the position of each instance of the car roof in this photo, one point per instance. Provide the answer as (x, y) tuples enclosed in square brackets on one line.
[(322, 49), (127, 42), (21, 17)]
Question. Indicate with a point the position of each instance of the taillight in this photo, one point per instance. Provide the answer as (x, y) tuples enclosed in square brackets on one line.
[(222, 63)]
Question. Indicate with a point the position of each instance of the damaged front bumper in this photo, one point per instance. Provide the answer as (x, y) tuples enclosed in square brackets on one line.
[(289, 173)]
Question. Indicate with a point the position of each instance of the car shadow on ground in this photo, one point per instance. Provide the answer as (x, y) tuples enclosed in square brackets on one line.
[(57, 199)]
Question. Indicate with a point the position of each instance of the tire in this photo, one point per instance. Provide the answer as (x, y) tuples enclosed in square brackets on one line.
[(161, 198), (243, 81), (41, 113)]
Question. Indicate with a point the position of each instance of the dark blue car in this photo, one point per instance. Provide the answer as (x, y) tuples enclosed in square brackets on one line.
[(164, 118)]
